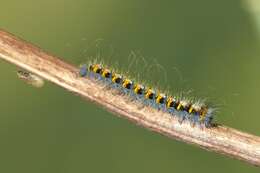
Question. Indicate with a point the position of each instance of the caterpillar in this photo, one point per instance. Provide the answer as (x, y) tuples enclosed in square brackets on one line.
[(185, 110)]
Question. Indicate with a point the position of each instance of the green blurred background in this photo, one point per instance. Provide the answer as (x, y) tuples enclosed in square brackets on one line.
[(209, 47)]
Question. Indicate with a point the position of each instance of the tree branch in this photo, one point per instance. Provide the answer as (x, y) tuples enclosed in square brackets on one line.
[(220, 139)]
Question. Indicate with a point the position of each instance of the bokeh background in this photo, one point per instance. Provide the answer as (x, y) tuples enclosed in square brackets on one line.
[(210, 48)]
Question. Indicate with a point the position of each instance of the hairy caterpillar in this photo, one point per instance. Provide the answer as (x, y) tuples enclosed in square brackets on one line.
[(186, 110)]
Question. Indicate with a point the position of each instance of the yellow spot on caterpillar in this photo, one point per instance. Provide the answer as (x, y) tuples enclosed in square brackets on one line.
[(106, 73), (170, 102), (179, 106), (97, 68), (160, 98), (203, 111), (116, 78), (149, 94), (191, 109), (138, 89), (127, 83)]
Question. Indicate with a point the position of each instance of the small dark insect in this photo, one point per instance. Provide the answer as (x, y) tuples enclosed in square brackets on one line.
[(30, 78)]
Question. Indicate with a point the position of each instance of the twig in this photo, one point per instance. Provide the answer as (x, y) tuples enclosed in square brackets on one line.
[(220, 139)]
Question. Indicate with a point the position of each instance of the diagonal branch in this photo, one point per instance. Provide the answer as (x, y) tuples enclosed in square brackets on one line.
[(220, 139)]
